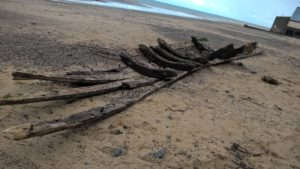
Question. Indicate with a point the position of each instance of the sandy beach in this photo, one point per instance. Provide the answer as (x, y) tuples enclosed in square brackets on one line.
[(194, 122)]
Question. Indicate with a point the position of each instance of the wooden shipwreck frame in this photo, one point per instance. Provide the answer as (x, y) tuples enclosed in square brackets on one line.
[(165, 65)]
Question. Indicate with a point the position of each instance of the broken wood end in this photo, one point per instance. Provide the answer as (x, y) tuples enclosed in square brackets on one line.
[(19, 132)]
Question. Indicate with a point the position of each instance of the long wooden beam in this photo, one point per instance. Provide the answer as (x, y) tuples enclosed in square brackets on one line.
[(75, 79), (96, 72), (81, 92)]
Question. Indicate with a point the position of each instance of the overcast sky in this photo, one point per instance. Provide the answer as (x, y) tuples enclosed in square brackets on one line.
[(260, 12)]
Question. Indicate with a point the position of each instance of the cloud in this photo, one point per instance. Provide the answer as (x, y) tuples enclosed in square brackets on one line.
[(198, 2), (218, 7), (211, 5)]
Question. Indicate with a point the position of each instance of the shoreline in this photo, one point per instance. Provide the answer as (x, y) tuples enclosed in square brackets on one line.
[(233, 22)]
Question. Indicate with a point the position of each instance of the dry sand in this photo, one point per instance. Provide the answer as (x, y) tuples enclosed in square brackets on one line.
[(194, 121)]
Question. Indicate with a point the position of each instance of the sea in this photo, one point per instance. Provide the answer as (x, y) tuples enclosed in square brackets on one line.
[(153, 6)]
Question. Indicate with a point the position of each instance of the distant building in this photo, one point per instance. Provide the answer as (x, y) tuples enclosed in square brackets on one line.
[(289, 26), (280, 24)]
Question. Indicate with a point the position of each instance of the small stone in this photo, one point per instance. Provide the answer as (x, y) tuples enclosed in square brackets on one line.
[(235, 147), (159, 154), (231, 96), (111, 126), (240, 64), (116, 132), (26, 116), (278, 108), (178, 140), (117, 152), (170, 117), (50, 112), (197, 164), (184, 153), (270, 80)]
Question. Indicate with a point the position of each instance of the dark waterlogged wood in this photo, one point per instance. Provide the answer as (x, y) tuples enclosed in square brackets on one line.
[(164, 45), (169, 56), (223, 53), (198, 45), (46, 127), (155, 58), (229, 51), (81, 92), (146, 70), (96, 72), (249, 47), (202, 59), (99, 79)]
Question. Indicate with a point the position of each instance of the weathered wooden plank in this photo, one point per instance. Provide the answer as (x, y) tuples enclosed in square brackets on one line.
[(164, 45), (97, 72), (165, 54), (223, 53), (155, 58), (74, 79), (146, 70), (198, 45), (81, 92), (46, 127), (229, 51), (202, 58)]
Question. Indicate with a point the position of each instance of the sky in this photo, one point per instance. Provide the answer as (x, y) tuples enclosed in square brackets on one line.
[(259, 12)]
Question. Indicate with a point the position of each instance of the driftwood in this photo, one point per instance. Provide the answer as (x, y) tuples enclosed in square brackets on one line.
[(145, 70), (249, 47), (229, 51), (203, 59), (153, 57), (94, 72), (198, 45), (223, 53), (46, 127), (164, 45), (74, 79), (81, 92), (169, 56)]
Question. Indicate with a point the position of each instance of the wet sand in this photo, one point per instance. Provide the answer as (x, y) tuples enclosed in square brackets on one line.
[(194, 122)]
